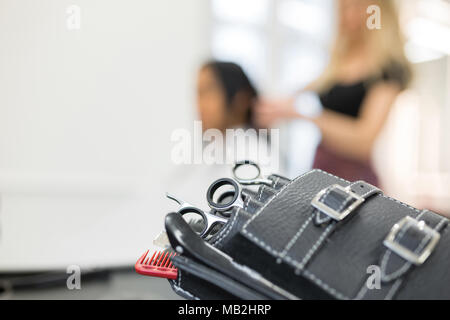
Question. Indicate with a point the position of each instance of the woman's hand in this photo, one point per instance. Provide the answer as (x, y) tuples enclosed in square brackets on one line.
[(268, 112)]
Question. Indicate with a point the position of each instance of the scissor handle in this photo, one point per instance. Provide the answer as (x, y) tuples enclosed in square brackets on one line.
[(209, 219), (224, 206), (256, 180)]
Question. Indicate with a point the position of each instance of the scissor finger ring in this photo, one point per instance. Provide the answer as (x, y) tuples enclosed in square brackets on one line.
[(256, 180), (209, 220), (236, 194)]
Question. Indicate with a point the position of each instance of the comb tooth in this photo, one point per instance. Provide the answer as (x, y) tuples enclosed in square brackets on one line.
[(153, 261), (161, 254), (168, 261), (144, 256), (149, 260), (171, 264), (163, 262), (160, 259)]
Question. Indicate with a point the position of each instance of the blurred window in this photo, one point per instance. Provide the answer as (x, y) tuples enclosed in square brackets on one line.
[(282, 44)]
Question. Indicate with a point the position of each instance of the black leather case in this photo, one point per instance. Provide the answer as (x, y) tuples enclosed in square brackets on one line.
[(280, 235)]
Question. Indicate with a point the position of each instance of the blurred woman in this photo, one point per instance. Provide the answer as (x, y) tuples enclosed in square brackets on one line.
[(225, 96), (366, 72), (225, 100)]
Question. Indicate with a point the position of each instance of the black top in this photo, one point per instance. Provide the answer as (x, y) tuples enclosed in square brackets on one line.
[(348, 98)]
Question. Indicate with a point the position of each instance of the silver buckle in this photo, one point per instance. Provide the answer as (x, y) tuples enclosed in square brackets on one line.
[(405, 253), (316, 203)]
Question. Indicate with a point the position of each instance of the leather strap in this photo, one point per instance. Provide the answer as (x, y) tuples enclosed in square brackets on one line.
[(319, 226), (339, 200), (395, 268), (255, 200), (265, 193), (278, 181), (251, 205)]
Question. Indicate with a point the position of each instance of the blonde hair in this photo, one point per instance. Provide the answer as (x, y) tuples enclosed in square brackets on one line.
[(386, 45)]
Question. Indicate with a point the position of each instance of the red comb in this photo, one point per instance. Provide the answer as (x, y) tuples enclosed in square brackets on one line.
[(158, 265)]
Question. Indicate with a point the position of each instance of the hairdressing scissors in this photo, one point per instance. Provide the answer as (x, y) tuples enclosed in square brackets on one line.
[(258, 179), (209, 220), (222, 204), (235, 194)]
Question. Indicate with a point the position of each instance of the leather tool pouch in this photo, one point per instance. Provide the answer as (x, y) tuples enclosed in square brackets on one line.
[(322, 237)]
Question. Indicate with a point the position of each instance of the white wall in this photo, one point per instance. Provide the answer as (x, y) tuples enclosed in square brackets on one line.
[(85, 123)]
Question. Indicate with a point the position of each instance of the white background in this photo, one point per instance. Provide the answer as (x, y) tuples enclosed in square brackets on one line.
[(85, 124)]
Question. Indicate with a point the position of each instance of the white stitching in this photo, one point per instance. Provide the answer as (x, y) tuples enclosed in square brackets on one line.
[(345, 202), (363, 291), (401, 203), (332, 175), (388, 296), (316, 245), (246, 203), (439, 225), (317, 213), (421, 214), (251, 235), (397, 284), (177, 288), (261, 190), (405, 267), (295, 237), (276, 182), (320, 221), (393, 289), (325, 286), (275, 252), (225, 233), (385, 260), (268, 247), (314, 248), (372, 189), (248, 233), (267, 203), (325, 194), (261, 243), (383, 195), (386, 255)]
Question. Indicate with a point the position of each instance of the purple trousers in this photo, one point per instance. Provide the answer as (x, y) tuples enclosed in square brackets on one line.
[(346, 168)]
